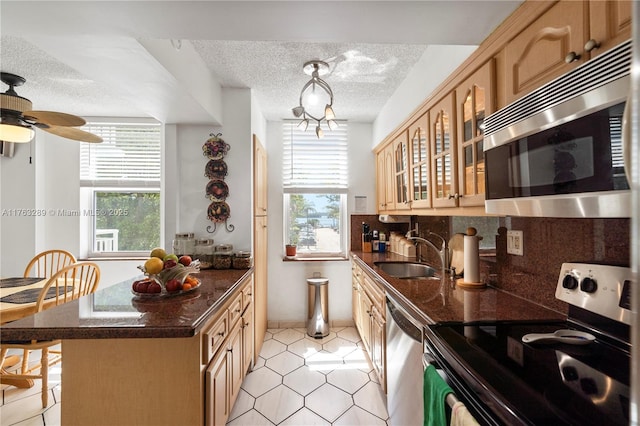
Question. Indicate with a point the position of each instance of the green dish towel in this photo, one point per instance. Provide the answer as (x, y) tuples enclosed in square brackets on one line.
[(435, 391)]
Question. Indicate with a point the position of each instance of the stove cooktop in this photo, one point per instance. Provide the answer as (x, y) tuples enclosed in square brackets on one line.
[(542, 383), (550, 382)]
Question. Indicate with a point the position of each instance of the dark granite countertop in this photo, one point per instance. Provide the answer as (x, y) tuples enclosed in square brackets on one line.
[(433, 300), (114, 312)]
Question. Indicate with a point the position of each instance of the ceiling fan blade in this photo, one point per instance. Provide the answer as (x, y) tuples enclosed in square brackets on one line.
[(54, 118), (72, 133)]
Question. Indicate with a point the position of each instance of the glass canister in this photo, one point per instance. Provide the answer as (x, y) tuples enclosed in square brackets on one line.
[(242, 260), (184, 244), (222, 256), (204, 251)]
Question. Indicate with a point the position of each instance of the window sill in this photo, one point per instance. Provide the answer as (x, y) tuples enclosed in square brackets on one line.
[(114, 258), (313, 259)]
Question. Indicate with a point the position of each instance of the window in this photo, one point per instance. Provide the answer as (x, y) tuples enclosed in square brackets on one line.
[(315, 183), (120, 188)]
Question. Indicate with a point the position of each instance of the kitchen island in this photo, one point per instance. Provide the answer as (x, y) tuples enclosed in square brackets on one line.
[(143, 361)]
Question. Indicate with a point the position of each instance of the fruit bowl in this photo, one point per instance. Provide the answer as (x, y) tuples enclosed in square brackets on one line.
[(163, 289), (174, 279)]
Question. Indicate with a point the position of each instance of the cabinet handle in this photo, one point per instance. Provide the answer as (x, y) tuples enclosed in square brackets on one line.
[(455, 196), (572, 57), (590, 45), (221, 334)]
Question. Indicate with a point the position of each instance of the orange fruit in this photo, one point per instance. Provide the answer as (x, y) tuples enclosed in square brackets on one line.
[(153, 266), (186, 287)]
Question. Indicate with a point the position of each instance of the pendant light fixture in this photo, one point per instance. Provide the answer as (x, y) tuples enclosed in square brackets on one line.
[(315, 93)]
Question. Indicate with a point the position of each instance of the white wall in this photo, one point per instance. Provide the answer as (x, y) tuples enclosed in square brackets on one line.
[(17, 191), (287, 280), (421, 81)]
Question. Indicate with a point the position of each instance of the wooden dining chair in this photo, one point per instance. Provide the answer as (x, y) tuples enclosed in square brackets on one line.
[(69, 283), (47, 263), (44, 265)]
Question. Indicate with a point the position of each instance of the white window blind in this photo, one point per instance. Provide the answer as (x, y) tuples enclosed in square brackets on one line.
[(129, 154), (310, 163)]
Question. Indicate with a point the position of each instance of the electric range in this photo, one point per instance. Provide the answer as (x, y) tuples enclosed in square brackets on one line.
[(504, 380)]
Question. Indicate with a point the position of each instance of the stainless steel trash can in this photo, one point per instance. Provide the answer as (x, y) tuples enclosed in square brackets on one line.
[(318, 307)]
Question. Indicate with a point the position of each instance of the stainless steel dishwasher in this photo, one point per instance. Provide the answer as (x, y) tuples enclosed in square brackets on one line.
[(404, 367)]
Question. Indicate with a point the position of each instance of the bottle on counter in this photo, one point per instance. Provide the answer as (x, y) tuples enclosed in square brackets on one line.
[(184, 244), (241, 260), (204, 250), (375, 241), (222, 256), (382, 245), (366, 238)]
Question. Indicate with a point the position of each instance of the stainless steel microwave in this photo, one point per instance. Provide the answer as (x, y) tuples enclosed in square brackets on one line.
[(560, 150)]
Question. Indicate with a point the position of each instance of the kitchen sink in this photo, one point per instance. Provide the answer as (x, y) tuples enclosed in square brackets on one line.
[(406, 269)]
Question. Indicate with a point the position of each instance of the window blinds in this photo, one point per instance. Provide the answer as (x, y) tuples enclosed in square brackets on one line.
[(312, 164), (129, 155)]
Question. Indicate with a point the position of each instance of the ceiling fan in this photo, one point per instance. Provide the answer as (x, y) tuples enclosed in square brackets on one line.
[(17, 120)]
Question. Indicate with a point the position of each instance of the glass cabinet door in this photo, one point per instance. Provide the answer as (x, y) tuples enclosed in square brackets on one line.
[(444, 154), (420, 164), (401, 157), (475, 101)]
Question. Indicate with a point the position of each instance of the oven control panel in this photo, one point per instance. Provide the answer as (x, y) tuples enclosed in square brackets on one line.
[(602, 289)]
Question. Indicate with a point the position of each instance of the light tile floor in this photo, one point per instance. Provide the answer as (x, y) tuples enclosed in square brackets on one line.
[(298, 380)]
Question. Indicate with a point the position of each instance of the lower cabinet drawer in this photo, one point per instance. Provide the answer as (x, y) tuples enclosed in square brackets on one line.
[(214, 337), (235, 309)]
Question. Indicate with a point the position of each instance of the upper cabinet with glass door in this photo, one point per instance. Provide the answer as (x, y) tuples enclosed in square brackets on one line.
[(420, 165), (443, 153), (401, 170), (475, 99)]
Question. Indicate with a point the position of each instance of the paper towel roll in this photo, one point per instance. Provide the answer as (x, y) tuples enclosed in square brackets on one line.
[(471, 259)]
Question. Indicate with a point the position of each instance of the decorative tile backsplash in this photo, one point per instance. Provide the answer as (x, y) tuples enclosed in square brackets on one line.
[(548, 242)]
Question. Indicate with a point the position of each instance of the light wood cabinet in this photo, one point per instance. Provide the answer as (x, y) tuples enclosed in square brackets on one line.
[(475, 98), (444, 153), (228, 366), (160, 381), (420, 163), (385, 181), (610, 24), (565, 36), (369, 315), (259, 244), (217, 403), (401, 172), (248, 331), (260, 182), (537, 55), (378, 345), (260, 281)]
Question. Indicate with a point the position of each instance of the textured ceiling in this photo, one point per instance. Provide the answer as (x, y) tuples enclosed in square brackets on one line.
[(362, 76), (95, 58)]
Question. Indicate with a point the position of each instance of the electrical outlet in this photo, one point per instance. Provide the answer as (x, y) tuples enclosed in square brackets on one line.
[(515, 243)]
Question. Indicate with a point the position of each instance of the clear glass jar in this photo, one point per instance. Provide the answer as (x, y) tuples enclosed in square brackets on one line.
[(204, 251), (241, 260), (184, 244), (222, 256)]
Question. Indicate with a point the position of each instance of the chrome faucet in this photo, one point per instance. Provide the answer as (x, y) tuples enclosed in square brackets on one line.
[(443, 251)]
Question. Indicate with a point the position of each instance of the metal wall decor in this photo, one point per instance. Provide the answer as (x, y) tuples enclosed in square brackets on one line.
[(217, 190)]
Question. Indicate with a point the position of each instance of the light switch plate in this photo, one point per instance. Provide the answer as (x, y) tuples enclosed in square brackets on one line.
[(515, 243)]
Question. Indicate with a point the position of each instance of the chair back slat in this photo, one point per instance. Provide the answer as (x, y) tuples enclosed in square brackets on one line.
[(47, 263), (70, 283)]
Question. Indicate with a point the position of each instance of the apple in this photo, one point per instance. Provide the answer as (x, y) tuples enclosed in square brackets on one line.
[(173, 285), (143, 287), (170, 257), (168, 264), (185, 260), (154, 287)]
